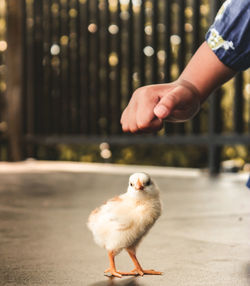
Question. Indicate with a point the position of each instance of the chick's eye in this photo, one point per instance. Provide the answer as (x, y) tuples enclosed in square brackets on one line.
[(131, 184), (148, 183)]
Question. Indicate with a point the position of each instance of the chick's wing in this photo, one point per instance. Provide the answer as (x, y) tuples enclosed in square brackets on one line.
[(117, 213)]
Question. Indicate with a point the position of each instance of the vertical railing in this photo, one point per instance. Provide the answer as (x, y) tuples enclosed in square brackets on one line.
[(15, 79), (4, 150), (196, 39), (142, 44), (238, 104), (215, 123)]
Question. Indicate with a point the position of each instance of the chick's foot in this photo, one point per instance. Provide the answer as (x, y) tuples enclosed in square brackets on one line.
[(141, 272), (113, 272), (152, 272), (138, 269), (134, 272)]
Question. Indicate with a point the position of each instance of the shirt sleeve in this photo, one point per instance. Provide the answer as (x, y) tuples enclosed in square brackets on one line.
[(229, 35)]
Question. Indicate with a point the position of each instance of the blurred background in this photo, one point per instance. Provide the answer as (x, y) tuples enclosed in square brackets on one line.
[(69, 67)]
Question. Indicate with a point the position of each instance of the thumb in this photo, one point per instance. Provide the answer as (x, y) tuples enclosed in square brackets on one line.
[(166, 105)]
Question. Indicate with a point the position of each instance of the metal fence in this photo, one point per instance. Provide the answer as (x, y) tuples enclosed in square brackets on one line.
[(82, 60)]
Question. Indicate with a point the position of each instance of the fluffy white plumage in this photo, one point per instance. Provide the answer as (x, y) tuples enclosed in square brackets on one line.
[(122, 221)]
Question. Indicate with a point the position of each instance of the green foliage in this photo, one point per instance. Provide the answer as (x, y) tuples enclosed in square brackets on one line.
[(160, 155), (156, 155)]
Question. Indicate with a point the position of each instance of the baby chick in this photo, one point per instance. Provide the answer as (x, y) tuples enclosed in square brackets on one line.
[(124, 220)]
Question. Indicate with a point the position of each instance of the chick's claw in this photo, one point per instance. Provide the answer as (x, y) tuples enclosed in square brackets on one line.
[(113, 272), (142, 272), (131, 273), (152, 272)]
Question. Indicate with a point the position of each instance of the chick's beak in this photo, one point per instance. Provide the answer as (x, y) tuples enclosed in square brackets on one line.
[(139, 186)]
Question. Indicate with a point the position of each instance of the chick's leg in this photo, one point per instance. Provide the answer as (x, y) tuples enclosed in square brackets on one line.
[(138, 269), (112, 269)]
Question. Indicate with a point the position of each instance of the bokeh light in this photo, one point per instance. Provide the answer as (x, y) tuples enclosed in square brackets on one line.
[(106, 154), (124, 2), (204, 9), (3, 126), (247, 88), (148, 30), (92, 28), (55, 8), (188, 28), (64, 40), (2, 26), (104, 145), (124, 15), (55, 50), (148, 51), (161, 55), (73, 13), (113, 29), (3, 46), (136, 77), (188, 12), (136, 2), (113, 59), (3, 86), (105, 150), (175, 40)]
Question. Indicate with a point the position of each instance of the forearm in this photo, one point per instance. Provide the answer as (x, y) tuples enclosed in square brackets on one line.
[(206, 72), (177, 101)]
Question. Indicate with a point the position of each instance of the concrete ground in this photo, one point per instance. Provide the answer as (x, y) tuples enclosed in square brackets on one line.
[(202, 238)]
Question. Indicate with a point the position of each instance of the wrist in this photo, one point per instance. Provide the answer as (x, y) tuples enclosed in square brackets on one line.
[(206, 72), (192, 88)]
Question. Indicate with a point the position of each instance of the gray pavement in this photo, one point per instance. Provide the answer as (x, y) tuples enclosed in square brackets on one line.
[(202, 238)]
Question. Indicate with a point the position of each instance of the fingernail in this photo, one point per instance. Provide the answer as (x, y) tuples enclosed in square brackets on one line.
[(161, 111)]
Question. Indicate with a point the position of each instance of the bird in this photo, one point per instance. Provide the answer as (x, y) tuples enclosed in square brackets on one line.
[(124, 220)]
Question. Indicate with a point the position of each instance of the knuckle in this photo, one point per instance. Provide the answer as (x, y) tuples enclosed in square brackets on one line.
[(125, 128), (136, 93), (143, 91), (169, 99), (142, 124), (133, 129)]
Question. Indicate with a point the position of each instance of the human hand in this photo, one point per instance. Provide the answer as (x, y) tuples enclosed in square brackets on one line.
[(150, 105)]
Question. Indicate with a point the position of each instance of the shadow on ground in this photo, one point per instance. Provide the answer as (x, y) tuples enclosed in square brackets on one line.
[(248, 273), (118, 282)]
